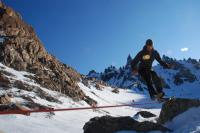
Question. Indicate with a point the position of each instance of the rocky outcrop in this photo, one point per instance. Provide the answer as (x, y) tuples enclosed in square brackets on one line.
[(183, 73), (5, 99), (175, 107), (4, 81), (145, 114), (115, 90), (170, 110), (109, 124), (22, 50)]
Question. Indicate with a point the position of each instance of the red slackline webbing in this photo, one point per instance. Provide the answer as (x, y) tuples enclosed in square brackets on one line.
[(68, 109)]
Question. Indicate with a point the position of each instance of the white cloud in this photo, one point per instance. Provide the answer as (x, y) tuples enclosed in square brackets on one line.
[(184, 49)]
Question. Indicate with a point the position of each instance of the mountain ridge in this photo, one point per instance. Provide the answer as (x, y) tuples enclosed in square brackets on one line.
[(122, 77), (22, 50)]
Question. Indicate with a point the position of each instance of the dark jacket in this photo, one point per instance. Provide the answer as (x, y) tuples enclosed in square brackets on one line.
[(145, 60)]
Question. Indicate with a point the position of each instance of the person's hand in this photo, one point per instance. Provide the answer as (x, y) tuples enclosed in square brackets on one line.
[(135, 72)]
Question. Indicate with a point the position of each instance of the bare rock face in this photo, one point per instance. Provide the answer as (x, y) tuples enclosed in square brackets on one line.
[(145, 114), (109, 124), (22, 50), (5, 99), (4, 81), (115, 90), (175, 107), (184, 74)]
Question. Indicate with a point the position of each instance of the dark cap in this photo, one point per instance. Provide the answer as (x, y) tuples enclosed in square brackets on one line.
[(149, 42)]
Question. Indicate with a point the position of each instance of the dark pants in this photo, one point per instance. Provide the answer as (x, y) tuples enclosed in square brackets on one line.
[(152, 80)]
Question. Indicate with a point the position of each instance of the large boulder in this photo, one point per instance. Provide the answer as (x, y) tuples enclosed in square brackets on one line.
[(109, 124), (175, 107), (170, 110)]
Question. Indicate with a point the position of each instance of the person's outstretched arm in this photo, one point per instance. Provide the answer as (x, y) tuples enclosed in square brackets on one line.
[(135, 61), (162, 63)]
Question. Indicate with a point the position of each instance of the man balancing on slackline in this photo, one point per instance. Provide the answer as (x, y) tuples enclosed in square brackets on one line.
[(142, 64)]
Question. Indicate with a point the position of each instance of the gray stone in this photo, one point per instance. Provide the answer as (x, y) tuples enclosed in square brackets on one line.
[(145, 114), (175, 107), (109, 124)]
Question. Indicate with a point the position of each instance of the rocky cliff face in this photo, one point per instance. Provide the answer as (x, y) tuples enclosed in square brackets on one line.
[(21, 49)]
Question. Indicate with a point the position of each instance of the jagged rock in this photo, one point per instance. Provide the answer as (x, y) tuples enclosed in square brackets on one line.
[(108, 124), (9, 11), (145, 114), (90, 101), (93, 74), (44, 95), (100, 82), (109, 73), (4, 82), (20, 107), (98, 86), (8, 107), (193, 61), (115, 90), (174, 62), (23, 86), (23, 51), (5, 99), (31, 104), (85, 81), (175, 107), (6, 73), (184, 75), (27, 98)]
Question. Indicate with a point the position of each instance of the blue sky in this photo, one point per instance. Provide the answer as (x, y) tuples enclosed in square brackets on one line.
[(93, 34)]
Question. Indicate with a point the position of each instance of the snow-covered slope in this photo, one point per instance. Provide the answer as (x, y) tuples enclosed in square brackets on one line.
[(64, 122), (183, 75), (73, 121)]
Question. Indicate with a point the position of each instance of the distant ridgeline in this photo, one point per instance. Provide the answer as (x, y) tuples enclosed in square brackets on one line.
[(182, 71)]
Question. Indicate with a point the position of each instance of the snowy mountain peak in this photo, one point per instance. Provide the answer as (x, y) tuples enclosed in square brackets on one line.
[(182, 72)]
